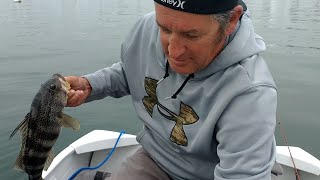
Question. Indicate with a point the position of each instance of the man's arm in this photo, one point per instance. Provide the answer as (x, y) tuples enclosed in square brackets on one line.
[(245, 133), (110, 81)]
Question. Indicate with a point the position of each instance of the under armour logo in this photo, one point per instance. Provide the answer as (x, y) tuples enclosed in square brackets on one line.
[(175, 3), (186, 115)]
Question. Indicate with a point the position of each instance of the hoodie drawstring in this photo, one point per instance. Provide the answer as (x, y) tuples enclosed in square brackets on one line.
[(166, 74), (174, 96)]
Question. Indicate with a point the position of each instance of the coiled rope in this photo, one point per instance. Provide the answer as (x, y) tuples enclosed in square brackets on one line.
[(99, 165)]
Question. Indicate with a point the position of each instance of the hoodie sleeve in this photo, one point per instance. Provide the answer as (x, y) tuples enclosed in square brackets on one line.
[(110, 81), (245, 133)]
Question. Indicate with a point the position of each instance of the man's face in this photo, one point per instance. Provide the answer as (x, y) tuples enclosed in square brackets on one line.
[(190, 41)]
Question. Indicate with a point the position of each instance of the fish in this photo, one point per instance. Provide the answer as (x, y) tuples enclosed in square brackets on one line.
[(41, 127)]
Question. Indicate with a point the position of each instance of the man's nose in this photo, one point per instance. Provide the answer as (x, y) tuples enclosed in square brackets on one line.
[(176, 47)]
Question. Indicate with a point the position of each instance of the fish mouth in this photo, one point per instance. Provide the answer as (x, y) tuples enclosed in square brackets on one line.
[(65, 85), (59, 76)]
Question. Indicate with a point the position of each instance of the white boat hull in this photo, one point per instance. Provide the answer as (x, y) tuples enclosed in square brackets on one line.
[(91, 149)]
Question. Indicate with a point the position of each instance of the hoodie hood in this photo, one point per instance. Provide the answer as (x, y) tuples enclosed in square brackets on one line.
[(241, 44)]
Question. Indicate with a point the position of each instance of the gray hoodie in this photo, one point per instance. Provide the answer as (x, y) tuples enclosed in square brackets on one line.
[(220, 126)]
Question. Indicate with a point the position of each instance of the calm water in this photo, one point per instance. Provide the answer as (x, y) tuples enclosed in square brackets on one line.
[(42, 37)]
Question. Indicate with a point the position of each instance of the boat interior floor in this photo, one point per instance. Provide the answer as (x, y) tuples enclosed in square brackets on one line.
[(93, 174)]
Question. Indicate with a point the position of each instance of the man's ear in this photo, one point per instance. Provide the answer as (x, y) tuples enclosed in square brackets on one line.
[(236, 14)]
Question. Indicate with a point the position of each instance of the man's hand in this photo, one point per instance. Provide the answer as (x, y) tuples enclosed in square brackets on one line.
[(79, 92)]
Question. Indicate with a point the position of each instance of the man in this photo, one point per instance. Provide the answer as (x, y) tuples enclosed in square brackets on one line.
[(202, 90)]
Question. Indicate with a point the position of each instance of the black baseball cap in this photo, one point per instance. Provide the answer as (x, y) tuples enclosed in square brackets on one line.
[(202, 6)]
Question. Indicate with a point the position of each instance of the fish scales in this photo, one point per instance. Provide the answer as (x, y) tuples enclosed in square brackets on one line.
[(42, 125)]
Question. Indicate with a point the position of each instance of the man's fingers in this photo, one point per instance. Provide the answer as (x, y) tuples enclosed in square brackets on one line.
[(71, 93), (75, 98), (72, 79), (75, 82), (80, 90)]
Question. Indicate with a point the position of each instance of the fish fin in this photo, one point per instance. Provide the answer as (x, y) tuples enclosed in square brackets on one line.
[(22, 126), (19, 162), (49, 160), (69, 122)]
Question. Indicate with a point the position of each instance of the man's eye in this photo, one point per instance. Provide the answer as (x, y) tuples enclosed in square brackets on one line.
[(191, 36), (166, 30)]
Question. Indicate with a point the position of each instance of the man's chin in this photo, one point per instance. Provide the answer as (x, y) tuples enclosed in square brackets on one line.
[(181, 69)]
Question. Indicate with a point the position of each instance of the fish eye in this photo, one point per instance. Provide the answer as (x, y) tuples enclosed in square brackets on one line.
[(53, 86)]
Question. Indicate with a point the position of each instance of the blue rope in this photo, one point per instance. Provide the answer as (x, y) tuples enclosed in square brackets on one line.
[(98, 166)]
